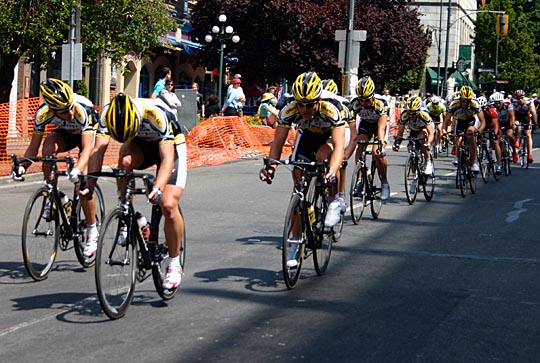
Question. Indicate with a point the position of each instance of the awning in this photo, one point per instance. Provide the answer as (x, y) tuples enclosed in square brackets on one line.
[(432, 74), (464, 81), (187, 46)]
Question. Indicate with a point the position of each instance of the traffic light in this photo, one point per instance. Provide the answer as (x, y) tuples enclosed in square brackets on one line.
[(502, 25)]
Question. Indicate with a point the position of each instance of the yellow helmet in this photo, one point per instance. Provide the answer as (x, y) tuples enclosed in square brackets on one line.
[(365, 87), (413, 104), (330, 86), (122, 118), (56, 94), (466, 93), (307, 87)]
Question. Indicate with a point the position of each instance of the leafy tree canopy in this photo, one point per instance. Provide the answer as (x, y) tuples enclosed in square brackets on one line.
[(519, 52), (280, 38), (109, 28)]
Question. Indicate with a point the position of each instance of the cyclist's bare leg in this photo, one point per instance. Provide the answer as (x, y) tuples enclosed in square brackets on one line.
[(471, 139), (130, 157), (54, 143), (528, 133), (325, 153), (510, 135), (380, 162), (438, 142), (497, 147), (174, 223)]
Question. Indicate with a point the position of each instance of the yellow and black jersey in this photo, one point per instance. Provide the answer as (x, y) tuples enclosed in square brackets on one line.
[(461, 113), (371, 113), (327, 118), (84, 119), (420, 122), (158, 123)]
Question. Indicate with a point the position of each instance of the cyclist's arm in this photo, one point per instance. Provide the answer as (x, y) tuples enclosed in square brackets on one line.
[(87, 143), (381, 129), (447, 119), (95, 161), (338, 143), (430, 129), (33, 148), (166, 154), (352, 140), (482, 121), (533, 114), (280, 137)]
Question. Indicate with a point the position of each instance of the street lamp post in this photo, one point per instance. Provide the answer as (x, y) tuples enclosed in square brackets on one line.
[(222, 33), (449, 25)]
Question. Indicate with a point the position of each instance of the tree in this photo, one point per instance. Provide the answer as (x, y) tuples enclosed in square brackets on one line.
[(109, 28), (280, 38), (519, 58)]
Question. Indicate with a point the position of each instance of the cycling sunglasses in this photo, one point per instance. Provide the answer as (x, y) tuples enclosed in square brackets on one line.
[(307, 104), (66, 111)]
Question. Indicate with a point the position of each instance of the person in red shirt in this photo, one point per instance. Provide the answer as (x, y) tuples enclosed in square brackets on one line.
[(492, 123)]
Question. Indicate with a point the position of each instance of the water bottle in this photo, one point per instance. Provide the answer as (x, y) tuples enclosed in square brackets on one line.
[(66, 203), (143, 225)]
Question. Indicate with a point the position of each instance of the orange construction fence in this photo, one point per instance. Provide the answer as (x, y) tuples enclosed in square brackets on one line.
[(214, 141)]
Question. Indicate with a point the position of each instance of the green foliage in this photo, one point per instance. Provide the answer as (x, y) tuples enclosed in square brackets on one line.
[(280, 38), (110, 28), (519, 58), (81, 88)]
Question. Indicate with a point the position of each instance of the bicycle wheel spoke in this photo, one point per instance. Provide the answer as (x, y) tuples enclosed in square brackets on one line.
[(293, 243), (116, 264), (358, 197), (40, 237)]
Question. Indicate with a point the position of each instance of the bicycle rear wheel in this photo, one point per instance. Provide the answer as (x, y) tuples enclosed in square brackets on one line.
[(375, 186), (471, 177), (116, 265), (294, 236), (428, 185), (411, 179), (40, 237), (159, 252), (323, 235), (80, 242), (483, 161), (358, 200)]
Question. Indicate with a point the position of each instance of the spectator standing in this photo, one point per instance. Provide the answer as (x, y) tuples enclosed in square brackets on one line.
[(200, 99), (235, 98), (165, 75), (169, 97)]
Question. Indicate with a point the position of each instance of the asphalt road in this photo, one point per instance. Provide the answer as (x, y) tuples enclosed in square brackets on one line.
[(454, 280)]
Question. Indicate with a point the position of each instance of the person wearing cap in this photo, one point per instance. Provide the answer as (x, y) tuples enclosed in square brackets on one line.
[(267, 110), (235, 98)]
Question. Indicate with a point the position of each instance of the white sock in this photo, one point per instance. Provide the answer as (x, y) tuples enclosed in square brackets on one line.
[(91, 230), (173, 261)]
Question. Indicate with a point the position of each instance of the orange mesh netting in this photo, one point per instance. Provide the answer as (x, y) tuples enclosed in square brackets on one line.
[(214, 141)]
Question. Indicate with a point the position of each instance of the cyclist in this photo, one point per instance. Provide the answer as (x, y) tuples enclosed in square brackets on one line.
[(372, 112), (74, 118), (150, 134), (525, 114), (492, 123), (317, 120), (469, 118), (506, 117), (330, 93), (420, 126), (437, 111)]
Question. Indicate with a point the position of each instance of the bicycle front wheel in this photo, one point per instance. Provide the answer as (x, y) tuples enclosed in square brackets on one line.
[(483, 161), (358, 197), (471, 176), (159, 252), (428, 186), (411, 179), (293, 242), (375, 184), (116, 265), (80, 242), (40, 235), (323, 235)]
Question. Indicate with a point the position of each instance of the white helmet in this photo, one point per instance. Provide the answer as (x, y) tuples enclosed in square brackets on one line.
[(496, 97), (435, 99), (482, 101)]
